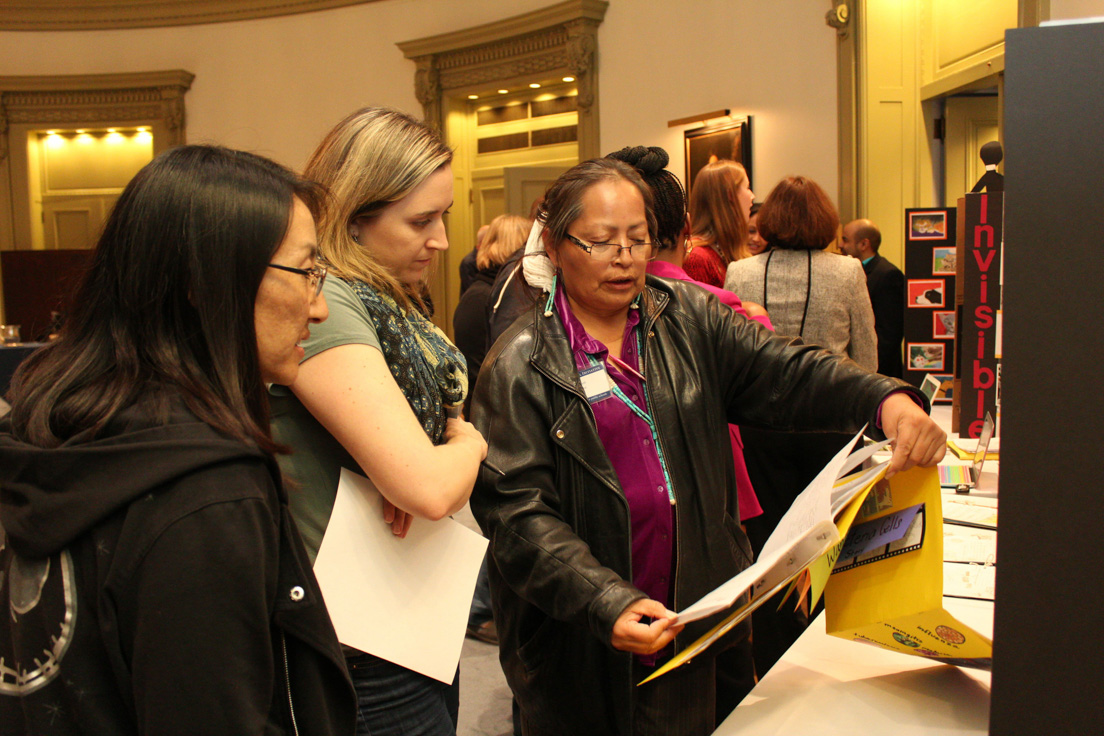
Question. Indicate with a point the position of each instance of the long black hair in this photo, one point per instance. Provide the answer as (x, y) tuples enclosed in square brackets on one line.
[(165, 309)]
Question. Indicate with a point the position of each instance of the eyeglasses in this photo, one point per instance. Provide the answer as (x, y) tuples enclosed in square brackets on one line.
[(315, 276), (610, 252)]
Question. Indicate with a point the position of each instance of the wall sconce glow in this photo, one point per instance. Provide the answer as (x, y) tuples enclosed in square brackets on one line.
[(503, 91), (144, 136), (569, 79), (473, 97), (53, 140), (534, 85)]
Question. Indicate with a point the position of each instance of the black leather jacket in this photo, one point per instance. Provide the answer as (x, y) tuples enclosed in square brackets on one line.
[(558, 522)]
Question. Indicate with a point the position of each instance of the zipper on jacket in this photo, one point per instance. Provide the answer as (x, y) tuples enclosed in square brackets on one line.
[(287, 684)]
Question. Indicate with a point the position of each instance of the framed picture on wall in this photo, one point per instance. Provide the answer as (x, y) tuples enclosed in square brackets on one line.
[(943, 261), (943, 325), (925, 356), (730, 140), (928, 225), (926, 293)]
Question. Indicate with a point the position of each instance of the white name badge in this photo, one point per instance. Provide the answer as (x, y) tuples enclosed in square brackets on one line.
[(596, 383)]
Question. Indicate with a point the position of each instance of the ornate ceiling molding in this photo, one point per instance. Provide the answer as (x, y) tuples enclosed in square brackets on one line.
[(559, 39), (84, 15), (155, 98)]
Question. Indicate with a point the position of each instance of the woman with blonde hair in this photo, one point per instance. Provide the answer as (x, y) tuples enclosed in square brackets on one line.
[(720, 204), (379, 386)]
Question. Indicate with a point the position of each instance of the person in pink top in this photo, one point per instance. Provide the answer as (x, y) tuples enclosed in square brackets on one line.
[(673, 229)]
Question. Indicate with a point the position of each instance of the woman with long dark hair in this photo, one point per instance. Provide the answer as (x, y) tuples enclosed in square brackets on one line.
[(156, 580)]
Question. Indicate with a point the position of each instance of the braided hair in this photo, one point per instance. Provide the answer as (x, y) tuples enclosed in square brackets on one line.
[(670, 198)]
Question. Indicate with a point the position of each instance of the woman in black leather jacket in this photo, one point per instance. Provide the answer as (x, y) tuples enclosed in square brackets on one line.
[(588, 566)]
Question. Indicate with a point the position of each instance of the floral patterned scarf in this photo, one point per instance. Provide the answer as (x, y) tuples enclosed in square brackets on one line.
[(430, 370)]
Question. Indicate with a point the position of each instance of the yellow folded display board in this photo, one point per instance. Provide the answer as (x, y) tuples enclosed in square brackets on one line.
[(893, 596)]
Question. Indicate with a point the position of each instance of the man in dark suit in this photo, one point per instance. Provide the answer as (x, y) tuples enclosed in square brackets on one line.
[(886, 284)]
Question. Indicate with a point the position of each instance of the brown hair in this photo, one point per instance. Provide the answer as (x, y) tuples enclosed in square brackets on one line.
[(372, 158), (504, 235), (715, 213), (797, 215)]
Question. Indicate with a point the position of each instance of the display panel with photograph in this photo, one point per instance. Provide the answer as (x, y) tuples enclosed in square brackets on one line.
[(927, 225), (926, 293), (943, 261), (943, 325), (925, 356), (730, 140)]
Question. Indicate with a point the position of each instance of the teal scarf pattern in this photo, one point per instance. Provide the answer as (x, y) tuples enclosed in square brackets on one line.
[(429, 369)]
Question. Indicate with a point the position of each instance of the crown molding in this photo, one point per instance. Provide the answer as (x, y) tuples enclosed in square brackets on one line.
[(535, 21), (86, 15)]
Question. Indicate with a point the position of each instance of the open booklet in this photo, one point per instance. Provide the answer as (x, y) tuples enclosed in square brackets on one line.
[(814, 526)]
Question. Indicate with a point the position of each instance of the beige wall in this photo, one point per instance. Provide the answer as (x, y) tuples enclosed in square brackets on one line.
[(666, 59), (275, 86), (1069, 9)]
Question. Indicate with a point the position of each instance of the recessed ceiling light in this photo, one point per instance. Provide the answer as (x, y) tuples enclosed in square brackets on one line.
[(534, 85), (503, 91), (569, 79), (473, 97)]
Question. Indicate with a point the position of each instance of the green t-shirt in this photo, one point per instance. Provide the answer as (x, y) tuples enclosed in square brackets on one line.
[(314, 465)]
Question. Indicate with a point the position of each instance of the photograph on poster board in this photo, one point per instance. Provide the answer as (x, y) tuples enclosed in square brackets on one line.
[(943, 261), (926, 292), (943, 325), (945, 393), (925, 356), (928, 225), (730, 140)]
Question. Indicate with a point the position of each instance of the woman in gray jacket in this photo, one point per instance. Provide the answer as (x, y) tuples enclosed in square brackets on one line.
[(808, 293)]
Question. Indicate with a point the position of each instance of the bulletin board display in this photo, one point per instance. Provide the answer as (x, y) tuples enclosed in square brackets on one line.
[(930, 279)]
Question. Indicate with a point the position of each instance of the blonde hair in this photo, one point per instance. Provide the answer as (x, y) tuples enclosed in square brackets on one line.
[(505, 234), (372, 158), (715, 213)]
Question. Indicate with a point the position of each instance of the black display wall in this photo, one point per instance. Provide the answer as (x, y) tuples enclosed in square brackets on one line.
[(930, 258), (1048, 655)]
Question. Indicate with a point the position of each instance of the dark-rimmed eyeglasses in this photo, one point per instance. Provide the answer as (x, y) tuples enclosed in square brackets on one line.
[(610, 252), (315, 276)]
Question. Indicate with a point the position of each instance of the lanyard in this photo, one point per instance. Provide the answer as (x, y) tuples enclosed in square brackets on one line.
[(647, 419)]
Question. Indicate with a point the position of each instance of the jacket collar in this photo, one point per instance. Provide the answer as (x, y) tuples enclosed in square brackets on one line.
[(552, 354)]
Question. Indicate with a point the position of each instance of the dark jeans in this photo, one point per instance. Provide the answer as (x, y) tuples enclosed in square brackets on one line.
[(395, 701)]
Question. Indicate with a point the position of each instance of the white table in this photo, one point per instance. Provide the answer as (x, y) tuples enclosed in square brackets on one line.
[(825, 685)]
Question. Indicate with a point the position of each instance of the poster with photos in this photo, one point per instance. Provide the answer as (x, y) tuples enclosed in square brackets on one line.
[(931, 262), (943, 325)]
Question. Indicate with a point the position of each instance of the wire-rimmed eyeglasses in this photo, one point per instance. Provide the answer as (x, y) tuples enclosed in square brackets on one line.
[(609, 252), (315, 276)]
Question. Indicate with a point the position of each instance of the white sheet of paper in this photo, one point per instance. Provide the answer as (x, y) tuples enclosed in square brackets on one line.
[(805, 532), (404, 600)]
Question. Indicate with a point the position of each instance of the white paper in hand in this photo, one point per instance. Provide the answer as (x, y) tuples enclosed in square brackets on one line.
[(404, 600)]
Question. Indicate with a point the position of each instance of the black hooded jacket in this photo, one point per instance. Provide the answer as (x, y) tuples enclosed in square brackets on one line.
[(154, 583)]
